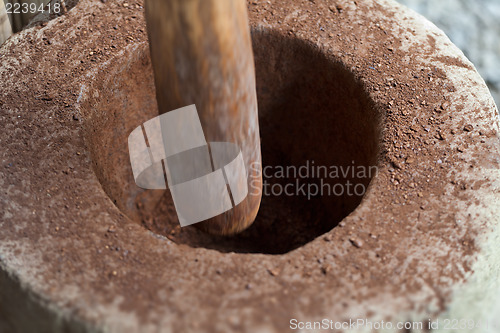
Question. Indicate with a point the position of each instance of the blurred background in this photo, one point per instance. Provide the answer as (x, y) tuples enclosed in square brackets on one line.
[(12, 23), (472, 25)]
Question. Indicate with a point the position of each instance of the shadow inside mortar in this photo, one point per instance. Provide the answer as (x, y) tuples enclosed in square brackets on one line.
[(312, 111)]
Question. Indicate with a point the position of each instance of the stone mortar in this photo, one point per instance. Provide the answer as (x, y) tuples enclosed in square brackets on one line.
[(82, 249)]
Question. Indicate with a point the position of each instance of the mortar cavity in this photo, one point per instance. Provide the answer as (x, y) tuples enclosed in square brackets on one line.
[(311, 110)]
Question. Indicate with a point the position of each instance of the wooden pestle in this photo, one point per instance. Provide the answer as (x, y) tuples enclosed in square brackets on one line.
[(202, 54)]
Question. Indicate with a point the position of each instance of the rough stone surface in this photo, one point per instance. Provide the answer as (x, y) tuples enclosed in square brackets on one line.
[(76, 253), (474, 26)]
